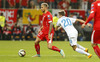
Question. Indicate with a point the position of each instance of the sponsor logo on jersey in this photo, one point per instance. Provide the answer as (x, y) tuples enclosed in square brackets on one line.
[(92, 11), (49, 17), (92, 5), (92, 8), (98, 4)]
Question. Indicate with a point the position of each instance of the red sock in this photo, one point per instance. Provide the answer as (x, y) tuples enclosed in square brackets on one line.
[(37, 47), (55, 48), (97, 50)]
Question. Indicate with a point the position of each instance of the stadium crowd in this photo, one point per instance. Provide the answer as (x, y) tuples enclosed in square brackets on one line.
[(16, 32), (54, 4)]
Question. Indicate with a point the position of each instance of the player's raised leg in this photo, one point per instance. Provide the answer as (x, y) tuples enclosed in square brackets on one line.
[(37, 47), (54, 48), (83, 48), (73, 43)]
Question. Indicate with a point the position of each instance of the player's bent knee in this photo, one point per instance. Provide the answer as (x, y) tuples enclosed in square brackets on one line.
[(37, 40)]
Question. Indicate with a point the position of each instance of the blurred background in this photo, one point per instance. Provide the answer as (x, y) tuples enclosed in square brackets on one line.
[(21, 19)]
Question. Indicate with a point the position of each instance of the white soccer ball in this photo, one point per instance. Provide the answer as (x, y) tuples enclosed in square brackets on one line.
[(21, 53)]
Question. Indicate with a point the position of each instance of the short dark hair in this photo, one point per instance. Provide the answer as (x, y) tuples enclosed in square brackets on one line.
[(1, 14), (55, 14), (62, 13), (45, 4)]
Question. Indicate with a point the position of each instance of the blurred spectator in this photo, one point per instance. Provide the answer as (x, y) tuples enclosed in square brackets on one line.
[(2, 20), (55, 4), (74, 4), (62, 35), (6, 4), (29, 31), (2, 24), (24, 3), (63, 4), (55, 19), (6, 32), (39, 2), (11, 3), (31, 5), (85, 4), (17, 2), (73, 15), (0, 3), (16, 31), (51, 4)]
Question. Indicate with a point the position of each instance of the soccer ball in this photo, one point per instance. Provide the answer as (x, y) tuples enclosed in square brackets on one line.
[(21, 53)]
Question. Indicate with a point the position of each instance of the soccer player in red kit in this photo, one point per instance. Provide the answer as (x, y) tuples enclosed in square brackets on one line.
[(95, 38), (46, 32)]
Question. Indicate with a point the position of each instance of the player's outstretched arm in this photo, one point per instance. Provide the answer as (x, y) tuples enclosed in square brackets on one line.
[(82, 21), (83, 25)]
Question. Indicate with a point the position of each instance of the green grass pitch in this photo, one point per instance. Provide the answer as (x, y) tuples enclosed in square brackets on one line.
[(9, 52)]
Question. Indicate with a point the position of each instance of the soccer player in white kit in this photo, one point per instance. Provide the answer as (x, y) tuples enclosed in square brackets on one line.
[(67, 24)]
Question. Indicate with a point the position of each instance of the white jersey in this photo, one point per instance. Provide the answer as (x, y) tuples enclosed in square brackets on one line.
[(67, 25)]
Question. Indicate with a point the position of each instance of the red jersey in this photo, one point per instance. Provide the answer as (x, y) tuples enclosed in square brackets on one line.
[(17, 1), (40, 1), (95, 13), (24, 2), (85, 0), (51, 0), (74, 1), (91, 1), (47, 18), (17, 30), (12, 2), (0, 3)]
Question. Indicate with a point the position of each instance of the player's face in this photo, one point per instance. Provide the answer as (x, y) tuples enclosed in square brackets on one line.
[(43, 8)]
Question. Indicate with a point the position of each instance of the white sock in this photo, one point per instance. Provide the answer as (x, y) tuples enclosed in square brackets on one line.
[(82, 51), (81, 47)]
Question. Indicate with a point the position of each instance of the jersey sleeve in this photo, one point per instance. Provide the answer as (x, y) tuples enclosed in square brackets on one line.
[(93, 8), (72, 20), (91, 16), (49, 18)]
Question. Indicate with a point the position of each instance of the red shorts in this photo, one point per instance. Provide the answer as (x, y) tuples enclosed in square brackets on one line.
[(42, 35), (95, 38)]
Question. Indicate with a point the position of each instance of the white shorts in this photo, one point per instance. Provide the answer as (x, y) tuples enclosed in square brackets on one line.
[(73, 41)]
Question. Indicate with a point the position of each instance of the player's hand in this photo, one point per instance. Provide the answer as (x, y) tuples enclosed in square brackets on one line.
[(83, 25), (49, 36), (90, 25)]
